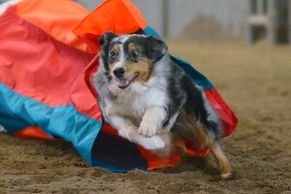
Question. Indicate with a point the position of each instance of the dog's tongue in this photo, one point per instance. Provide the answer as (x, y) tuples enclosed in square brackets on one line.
[(122, 82)]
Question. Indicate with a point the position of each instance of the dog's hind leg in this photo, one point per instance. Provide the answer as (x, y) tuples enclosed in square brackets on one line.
[(206, 141), (220, 158)]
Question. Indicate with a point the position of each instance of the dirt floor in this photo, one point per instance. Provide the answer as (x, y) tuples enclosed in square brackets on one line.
[(255, 82)]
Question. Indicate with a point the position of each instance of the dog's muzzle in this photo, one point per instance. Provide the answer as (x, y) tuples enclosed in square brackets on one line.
[(123, 83), (119, 72)]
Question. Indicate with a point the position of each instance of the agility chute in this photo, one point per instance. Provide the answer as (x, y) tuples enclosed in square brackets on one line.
[(47, 58)]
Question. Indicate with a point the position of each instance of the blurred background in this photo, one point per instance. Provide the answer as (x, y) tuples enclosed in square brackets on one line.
[(212, 20)]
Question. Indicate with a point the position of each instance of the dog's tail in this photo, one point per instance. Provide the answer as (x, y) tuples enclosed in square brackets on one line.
[(212, 122)]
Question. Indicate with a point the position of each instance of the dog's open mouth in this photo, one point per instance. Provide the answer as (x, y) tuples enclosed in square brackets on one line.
[(123, 83)]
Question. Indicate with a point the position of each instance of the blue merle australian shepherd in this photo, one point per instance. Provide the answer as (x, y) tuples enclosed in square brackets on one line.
[(150, 100)]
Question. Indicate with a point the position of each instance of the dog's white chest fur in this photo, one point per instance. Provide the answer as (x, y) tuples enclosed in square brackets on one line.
[(135, 100)]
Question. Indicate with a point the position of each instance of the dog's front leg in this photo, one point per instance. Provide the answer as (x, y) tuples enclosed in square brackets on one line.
[(124, 127), (152, 121), (128, 131)]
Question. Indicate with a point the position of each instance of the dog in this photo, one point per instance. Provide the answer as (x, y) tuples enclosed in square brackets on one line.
[(150, 100)]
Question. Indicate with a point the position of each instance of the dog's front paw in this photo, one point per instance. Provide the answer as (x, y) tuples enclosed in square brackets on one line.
[(151, 143), (147, 129)]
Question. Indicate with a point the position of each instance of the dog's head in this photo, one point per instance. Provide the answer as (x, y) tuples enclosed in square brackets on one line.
[(130, 58)]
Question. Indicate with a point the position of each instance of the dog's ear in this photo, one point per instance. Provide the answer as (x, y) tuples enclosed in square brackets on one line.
[(104, 42), (106, 38), (156, 48)]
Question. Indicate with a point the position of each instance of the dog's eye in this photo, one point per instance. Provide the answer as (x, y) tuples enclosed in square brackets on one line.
[(134, 54), (112, 55)]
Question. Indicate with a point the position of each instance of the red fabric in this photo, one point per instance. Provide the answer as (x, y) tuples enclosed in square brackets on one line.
[(226, 114), (81, 92), (46, 69)]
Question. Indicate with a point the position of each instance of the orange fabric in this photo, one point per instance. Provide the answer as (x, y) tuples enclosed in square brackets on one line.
[(118, 16), (194, 150), (56, 17), (155, 161), (33, 132)]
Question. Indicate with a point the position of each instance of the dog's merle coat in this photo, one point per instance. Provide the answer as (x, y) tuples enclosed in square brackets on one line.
[(150, 100)]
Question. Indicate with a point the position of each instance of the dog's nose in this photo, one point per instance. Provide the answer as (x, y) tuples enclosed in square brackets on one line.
[(119, 72)]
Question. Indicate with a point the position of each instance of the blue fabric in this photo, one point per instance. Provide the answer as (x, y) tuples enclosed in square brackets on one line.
[(150, 31), (96, 147), (18, 112), (122, 154), (196, 76)]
